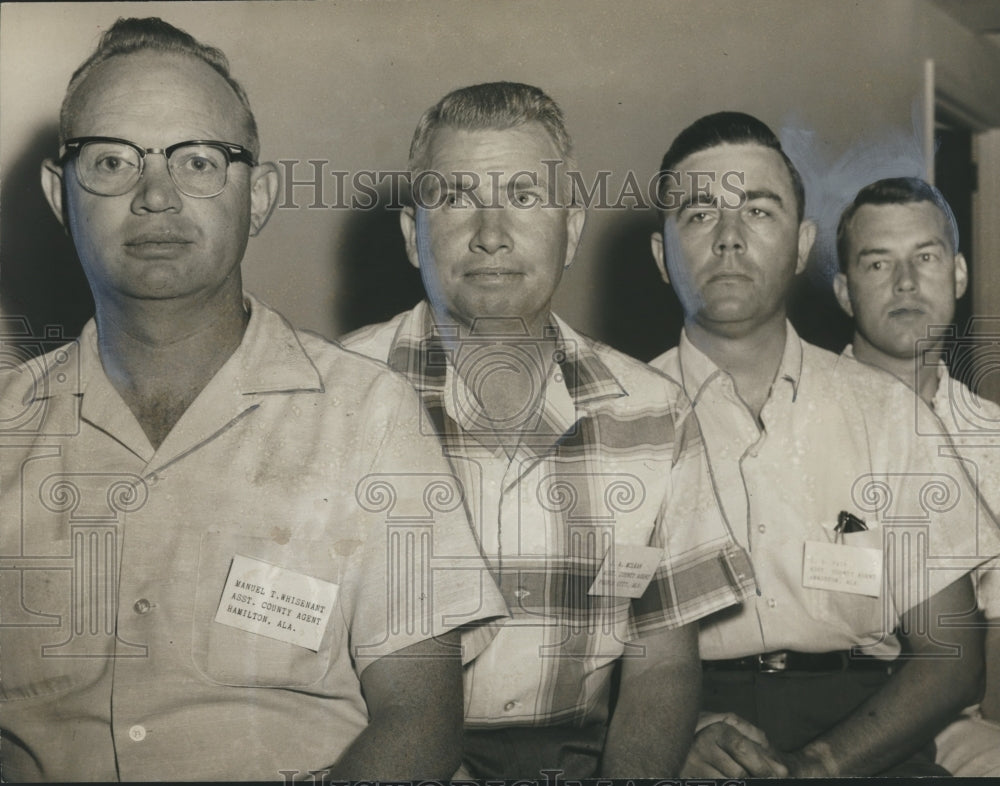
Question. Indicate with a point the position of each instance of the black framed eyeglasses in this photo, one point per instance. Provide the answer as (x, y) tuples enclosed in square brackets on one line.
[(108, 166)]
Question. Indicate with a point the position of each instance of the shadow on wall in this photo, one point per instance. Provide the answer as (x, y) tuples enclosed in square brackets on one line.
[(40, 276), (640, 314), (814, 311), (375, 280)]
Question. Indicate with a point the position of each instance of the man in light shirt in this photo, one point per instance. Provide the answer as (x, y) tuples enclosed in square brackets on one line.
[(901, 273), (583, 470), (822, 479), (197, 578)]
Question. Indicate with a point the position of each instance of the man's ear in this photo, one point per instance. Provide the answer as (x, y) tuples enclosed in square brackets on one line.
[(807, 236), (52, 187), (263, 195), (408, 226), (961, 275), (659, 254), (575, 220), (843, 293)]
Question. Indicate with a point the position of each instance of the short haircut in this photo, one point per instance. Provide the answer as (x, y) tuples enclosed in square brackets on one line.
[(491, 106), (894, 191), (152, 34), (724, 128)]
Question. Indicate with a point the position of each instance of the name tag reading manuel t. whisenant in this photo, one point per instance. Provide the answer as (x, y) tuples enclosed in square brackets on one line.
[(626, 571), (276, 602)]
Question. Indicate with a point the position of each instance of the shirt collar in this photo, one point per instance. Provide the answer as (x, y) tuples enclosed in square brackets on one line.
[(269, 359), (420, 353), (698, 370), (941, 400)]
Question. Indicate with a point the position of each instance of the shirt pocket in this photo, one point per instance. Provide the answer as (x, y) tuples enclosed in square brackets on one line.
[(230, 656), (863, 617)]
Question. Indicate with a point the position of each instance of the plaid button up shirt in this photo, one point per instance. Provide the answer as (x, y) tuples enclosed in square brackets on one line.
[(611, 457)]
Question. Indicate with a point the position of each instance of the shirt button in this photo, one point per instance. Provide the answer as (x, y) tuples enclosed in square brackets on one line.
[(510, 705), (771, 602), (761, 528), (141, 606), (137, 733)]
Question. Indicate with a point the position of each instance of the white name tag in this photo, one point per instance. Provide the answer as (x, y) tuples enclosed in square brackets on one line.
[(276, 602), (841, 568), (629, 573)]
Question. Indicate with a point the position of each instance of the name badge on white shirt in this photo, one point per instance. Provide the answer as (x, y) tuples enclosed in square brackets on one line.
[(629, 573), (842, 568), (276, 602)]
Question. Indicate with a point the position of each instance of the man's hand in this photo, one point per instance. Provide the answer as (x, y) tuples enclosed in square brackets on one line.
[(732, 748), (815, 760)]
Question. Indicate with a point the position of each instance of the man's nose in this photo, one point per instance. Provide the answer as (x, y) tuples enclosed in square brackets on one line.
[(155, 192), (906, 276), (492, 233), (729, 233)]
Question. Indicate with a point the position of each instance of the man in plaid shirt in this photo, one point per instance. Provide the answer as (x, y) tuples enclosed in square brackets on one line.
[(584, 471)]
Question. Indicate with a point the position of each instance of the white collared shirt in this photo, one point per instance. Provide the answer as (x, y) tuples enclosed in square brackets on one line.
[(836, 436)]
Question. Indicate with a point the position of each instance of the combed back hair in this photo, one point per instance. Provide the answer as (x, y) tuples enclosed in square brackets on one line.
[(725, 128), (894, 191), (152, 34), (491, 106)]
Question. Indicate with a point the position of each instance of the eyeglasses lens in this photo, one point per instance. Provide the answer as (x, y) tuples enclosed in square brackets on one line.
[(111, 168)]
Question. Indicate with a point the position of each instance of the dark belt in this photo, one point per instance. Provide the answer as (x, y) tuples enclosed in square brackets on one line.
[(789, 660)]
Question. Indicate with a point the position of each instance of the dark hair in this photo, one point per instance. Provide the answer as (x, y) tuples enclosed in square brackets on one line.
[(722, 128), (894, 191), (487, 106), (127, 36)]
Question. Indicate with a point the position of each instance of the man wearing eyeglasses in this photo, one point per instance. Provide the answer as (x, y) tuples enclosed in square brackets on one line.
[(193, 544)]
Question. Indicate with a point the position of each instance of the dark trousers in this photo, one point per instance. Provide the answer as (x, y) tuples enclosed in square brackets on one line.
[(793, 708), (525, 751)]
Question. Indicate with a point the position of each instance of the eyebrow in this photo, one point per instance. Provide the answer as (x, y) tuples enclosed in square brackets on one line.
[(689, 202), (761, 193), (879, 250), (765, 193)]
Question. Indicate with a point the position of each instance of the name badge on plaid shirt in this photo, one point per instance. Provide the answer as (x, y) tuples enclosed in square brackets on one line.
[(626, 571)]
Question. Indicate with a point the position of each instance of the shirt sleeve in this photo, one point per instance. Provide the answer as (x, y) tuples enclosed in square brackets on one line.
[(703, 569), (935, 525), (421, 573)]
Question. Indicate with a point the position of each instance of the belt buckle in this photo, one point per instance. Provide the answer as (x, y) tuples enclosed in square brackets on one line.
[(772, 662)]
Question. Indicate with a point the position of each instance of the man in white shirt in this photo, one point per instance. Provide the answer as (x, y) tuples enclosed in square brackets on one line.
[(197, 580), (900, 275), (823, 480)]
